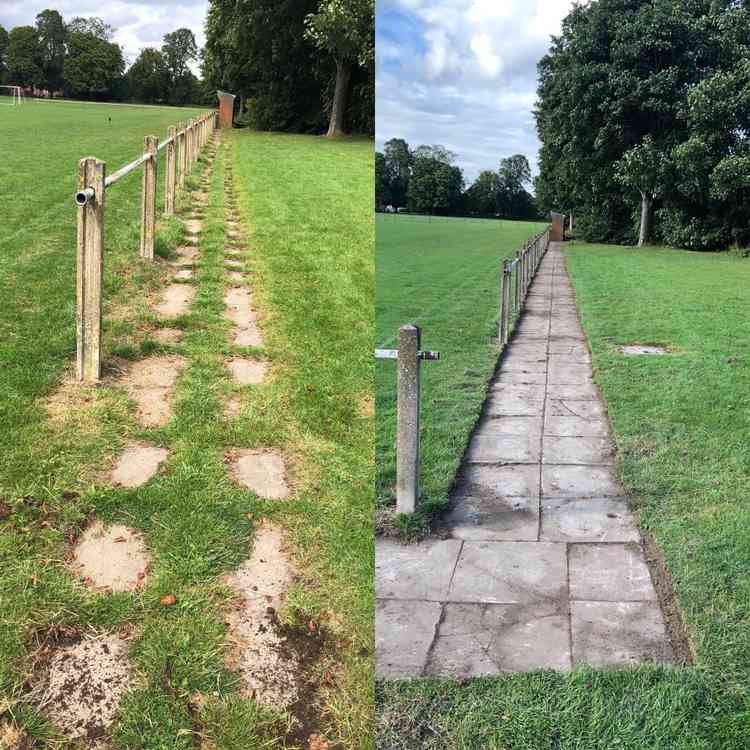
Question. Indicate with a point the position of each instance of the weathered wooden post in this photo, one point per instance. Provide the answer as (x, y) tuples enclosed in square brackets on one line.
[(89, 256), (407, 449), (517, 287), (170, 171), (148, 198), (504, 304), (181, 166)]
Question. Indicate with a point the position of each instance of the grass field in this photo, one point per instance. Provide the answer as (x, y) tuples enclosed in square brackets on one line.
[(443, 275), (312, 275), (682, 425)]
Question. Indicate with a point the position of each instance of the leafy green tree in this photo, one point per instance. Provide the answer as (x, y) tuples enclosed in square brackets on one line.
[(52, 34), (383, 179), (258, 50), (91, 25), (485, 196), (148, 77), (24, 57), (345, 30), (178, 50), (93, 65), (435, 184), (3, 53), (398, 160)]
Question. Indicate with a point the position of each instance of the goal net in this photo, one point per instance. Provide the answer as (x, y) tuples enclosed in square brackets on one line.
[(12, 95)]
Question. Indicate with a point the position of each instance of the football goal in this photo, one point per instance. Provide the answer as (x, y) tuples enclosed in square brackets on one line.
[(12, 95)]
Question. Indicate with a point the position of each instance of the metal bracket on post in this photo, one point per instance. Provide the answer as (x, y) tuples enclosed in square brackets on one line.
[(89, 261), (409, 357)]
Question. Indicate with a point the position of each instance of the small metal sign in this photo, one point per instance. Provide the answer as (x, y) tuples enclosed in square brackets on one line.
[(393, 354)]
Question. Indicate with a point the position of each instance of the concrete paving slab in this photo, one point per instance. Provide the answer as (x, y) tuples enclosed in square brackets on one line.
[(562, 372), (575, 427), (494, 518), (503, 404), (522, 426), (501, 481), (581, 392), (404, 631), (510, 573), (559, 407), (525, 366), (415, 571), (579, 481), (263, 472), (611, 634), (609, 572), (507, 449), (137, 464), (590, 520), (534, 391), (577, 450), (566, 347), (522, 378)]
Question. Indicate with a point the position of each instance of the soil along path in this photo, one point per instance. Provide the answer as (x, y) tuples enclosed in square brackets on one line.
[(541, 564)]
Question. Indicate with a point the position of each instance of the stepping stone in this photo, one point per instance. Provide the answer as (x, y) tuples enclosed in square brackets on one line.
[(83, 685), (167, 335), (184, 274), (137, 465), (149, 383), (246, 333), (636, 350), (609, 634), (187, 253), (193, 226), (404, 631), (229, 263), (235, 276), (510, 573), (233, 252), (592, 520), (504, 638), (415, 571), (176, 300), (232, 407), (263, 472), (111, 558), (609, 572), (260, 652), (494, 518), (247, 371)]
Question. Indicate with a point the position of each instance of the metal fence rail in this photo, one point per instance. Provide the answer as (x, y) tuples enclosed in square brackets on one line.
[(183, 145)]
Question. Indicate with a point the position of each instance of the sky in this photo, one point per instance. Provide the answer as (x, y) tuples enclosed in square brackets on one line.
[(139, 24), (462, 73)]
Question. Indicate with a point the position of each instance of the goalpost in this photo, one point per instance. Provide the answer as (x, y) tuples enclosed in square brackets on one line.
[(13, 93)]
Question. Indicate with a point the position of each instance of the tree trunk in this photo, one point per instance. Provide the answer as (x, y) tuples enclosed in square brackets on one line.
[(647, 204), (338, 110)]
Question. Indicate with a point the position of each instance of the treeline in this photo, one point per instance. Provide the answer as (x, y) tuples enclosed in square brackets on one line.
[(426, 180), (80, 60), (644, 118), (297, 65)]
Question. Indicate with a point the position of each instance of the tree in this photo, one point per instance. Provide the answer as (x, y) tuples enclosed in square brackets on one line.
[(398, 159), (643, 168), (383, 179), (345, 30), (93, 65), (52, 34), (3, 52), (435, 185), (24, 57), (485, 196), (148, 77), (178, 50), (92, 25), (514, 176)]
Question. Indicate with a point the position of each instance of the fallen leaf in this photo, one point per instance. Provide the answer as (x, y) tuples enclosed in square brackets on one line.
[(168, 600)]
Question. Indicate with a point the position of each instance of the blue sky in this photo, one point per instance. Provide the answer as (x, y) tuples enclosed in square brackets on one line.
[(462, 73)]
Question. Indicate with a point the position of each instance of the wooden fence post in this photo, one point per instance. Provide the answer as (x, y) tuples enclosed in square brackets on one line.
[(517, 290), (170, 171), (89, 254), (407, 448), (504, 305), (148, 199), (182, 155)]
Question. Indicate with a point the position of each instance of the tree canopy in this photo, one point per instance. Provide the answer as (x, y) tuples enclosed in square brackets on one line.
[(644, 119), (426, 180)]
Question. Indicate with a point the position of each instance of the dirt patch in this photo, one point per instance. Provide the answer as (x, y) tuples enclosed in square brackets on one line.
[(149, 383), (184, 274), (235, 276), (366, 406), (83, 685), (263, 472), (110, 558), (12, 737), (176, 300), (167, 335), (247, 371), (635, 350), (246, 333), (137, 465)]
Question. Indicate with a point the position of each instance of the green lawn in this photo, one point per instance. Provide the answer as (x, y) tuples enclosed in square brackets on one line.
[(443, 275), (311, 270), (682, 425)]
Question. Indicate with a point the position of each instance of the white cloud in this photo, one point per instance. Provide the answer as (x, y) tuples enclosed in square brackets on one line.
[(478, 65)]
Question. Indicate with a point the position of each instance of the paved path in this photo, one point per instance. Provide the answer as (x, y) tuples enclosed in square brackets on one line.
[(542, 565)]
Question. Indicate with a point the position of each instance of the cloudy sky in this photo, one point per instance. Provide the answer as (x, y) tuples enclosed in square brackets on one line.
[(139, 24), (462, 73)]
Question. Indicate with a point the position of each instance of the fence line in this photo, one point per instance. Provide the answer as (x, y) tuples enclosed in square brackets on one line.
[(516, 278), (183, 145)]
